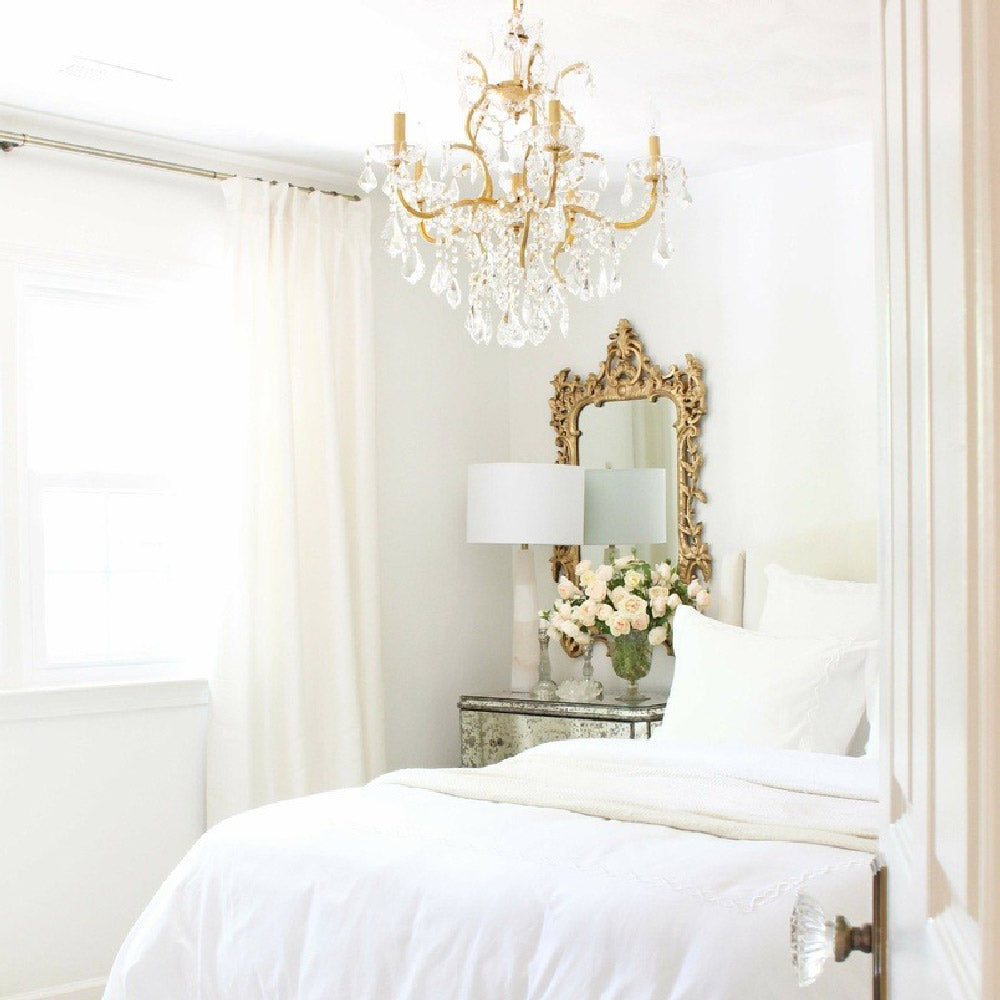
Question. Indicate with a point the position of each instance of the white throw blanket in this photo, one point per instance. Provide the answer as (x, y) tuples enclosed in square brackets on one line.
[(721, 790)]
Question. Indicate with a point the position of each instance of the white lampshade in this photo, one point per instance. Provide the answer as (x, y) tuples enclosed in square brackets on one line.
[(525, 503), (625, 506)]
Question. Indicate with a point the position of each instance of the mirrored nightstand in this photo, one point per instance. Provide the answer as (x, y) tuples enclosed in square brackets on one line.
[(498, 726)]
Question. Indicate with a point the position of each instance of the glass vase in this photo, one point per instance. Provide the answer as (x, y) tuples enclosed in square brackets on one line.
[(631, 658)]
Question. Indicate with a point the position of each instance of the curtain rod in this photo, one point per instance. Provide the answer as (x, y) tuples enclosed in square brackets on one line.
[(15, 140)]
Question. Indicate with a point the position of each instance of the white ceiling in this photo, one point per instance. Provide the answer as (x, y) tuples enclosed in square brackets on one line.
[(731, 81)]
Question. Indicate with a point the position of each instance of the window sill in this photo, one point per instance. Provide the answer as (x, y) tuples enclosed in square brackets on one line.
[(100, 699)]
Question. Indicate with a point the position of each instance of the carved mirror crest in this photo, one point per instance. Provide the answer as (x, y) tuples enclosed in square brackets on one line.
[(627, 374)]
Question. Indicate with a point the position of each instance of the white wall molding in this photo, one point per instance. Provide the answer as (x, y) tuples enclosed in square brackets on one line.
[(100, 699), (956, 936), (87, 989)]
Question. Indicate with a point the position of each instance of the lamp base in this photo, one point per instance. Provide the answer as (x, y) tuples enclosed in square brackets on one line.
[(524, 667)]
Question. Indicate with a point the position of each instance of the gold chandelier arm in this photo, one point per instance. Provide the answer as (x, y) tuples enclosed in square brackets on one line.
[(487, 191), (535, 50), (646, 216), (571, 68), (628, 223), (555, 262), (426, 235), (552, 181), (472, 111), (417, 213), (479, 63), (567, 239)]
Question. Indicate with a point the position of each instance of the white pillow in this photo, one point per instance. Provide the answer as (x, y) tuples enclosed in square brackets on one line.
[(811, 607), (731, 684)]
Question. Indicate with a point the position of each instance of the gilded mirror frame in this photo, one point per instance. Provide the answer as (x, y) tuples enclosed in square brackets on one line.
[(628, 374)]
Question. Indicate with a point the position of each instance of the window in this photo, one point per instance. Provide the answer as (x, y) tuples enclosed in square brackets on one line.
[(112, 433)]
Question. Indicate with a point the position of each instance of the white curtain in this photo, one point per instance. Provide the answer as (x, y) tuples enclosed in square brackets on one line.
[(296, 696)]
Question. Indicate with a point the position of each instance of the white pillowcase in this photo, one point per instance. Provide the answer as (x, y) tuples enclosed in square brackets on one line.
[(811, 607), (733, 685)]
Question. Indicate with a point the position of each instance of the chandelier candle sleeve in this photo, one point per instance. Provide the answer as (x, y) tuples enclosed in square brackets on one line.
[(512, 216)]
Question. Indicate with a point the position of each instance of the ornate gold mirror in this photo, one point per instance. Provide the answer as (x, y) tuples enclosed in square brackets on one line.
[(654, 423)]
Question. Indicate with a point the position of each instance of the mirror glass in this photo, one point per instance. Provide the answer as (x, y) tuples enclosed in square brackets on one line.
[(627, 434)]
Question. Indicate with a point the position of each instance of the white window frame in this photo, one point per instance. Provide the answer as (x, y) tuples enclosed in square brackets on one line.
[(24, 274), (111, 668)]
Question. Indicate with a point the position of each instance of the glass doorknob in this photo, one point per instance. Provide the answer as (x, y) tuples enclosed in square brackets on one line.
[(815, 939)]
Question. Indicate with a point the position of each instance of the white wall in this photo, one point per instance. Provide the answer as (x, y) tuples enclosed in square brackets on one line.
[(772, 287), (98, 805), (446, 605), (102, 791)]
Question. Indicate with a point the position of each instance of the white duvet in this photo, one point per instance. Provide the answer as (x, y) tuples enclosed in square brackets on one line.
[(420, 887)]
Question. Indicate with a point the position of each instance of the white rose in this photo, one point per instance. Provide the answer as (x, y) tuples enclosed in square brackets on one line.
[(587, 578), (693, 587), (632, 605), (618, 595), (586, 613), (658, 607), (572, 630), (664, 570), (604, 612), (674, 601), (553, 632), (640, 622), (657, 636), (633, 579), (702, 600), (584, 566), (604, 573), (654, 577), (598, 590), (566, 587), (619, 624), (659, 593)]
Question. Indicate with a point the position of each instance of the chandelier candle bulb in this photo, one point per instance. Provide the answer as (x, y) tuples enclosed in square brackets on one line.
[(516, 199)]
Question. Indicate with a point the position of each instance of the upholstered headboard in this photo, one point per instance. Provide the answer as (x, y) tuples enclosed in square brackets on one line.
[(842, 552)]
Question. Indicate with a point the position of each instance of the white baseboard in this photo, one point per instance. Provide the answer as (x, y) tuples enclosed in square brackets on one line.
[(87, 989)]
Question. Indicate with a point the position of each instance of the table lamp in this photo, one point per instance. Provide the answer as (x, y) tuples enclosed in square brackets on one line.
[(525, 503), (624, 506)]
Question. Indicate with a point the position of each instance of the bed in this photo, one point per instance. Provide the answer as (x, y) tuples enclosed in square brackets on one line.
[(417, 886), (583, 870)]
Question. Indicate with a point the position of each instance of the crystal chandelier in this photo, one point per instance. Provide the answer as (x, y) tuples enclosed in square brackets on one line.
[(517, 200)]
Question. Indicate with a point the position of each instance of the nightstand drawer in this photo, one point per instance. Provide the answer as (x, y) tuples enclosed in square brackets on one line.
[(496, 727)]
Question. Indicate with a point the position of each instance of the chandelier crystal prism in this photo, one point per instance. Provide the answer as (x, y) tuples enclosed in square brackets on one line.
[(517, 201)]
